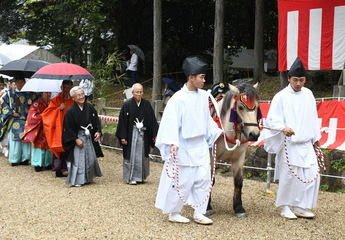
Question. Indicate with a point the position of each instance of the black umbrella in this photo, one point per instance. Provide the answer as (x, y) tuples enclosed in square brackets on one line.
[(171, 84), (138, 51), (24, 67)]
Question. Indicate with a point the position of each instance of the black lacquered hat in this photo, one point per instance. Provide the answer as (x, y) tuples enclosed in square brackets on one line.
[(297, 69), (194, 65)]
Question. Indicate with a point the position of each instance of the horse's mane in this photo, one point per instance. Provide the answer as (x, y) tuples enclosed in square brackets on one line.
[(243, 88), (226, 103), (251, 92)]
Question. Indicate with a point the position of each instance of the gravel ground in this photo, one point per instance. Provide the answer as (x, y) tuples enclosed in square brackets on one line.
[(39, 206)]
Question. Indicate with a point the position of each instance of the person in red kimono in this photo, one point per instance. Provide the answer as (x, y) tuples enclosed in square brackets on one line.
[(53, 117), (41, 157)]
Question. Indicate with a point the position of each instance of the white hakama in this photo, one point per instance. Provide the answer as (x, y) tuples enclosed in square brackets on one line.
[(186, 123), (296, 110)]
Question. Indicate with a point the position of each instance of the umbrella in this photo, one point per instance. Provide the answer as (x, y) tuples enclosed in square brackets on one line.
[(138, 51), (62, 71), (171, 84), (42, 85), (4, 59), (27, 67)]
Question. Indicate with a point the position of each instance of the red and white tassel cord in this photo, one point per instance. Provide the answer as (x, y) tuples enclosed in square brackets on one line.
[(295, 174), (175, 177)]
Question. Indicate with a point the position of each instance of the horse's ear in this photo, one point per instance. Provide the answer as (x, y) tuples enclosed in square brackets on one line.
[(234, 90), (256, 86)]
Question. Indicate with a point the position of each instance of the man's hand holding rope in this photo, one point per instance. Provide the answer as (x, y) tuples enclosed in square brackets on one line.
[(173, 149), (288, 131)]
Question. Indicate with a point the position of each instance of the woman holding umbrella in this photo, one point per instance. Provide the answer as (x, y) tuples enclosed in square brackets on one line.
[(41, 157), (132, 66)]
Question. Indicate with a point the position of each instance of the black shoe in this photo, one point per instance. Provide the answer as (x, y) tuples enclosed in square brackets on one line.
[(59, 174), (38, 168), (14, 164), (48, 167), (26, 162)]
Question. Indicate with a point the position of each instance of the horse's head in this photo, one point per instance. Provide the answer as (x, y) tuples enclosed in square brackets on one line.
[(245, 110)]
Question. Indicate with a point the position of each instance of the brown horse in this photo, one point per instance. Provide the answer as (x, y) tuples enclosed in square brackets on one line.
[(239, 116)]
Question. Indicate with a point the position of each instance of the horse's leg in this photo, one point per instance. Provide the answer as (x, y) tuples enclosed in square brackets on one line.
[(237, 169), (209, 210)]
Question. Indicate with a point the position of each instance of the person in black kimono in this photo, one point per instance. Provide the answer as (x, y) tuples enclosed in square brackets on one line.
[(137, 131), (81, 135)]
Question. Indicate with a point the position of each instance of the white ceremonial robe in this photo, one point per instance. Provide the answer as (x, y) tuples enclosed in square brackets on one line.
[(186, 123), (296, 110)]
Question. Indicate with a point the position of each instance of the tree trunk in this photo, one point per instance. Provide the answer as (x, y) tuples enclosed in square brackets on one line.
[(157, 50), (283, 79), (259, 41), (218, 53)]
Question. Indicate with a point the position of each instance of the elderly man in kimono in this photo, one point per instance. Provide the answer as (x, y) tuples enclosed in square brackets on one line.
[(187, 131), (81, 136), (41, 157), (292, 121), (137, 131), (53, 117), (16, 106)]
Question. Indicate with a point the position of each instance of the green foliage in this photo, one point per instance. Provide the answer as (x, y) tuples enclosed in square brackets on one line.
[(109, 127), (74, 28), (248, 175), (12, 19), (263, 177), (342, 191), (108, 72), (324, 187), (339, 164)]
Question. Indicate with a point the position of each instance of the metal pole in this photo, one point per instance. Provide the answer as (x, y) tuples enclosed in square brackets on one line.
[(269, 169)]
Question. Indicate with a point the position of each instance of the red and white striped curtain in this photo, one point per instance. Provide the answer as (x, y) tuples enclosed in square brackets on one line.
[(313, 30)]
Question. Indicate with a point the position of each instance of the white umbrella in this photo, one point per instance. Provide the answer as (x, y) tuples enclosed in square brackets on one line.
[(4, 59), (42, 85)]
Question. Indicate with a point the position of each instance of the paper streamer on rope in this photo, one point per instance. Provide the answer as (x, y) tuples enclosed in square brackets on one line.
[(108, 118)]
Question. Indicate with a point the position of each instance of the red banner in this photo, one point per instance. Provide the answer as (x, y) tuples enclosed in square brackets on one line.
[(332, 120)]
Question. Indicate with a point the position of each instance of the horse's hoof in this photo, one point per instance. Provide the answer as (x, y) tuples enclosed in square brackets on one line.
[(209, 213), (241, 215)]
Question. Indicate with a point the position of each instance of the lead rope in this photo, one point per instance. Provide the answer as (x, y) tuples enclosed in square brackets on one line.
[(175, 177), (320, 161)]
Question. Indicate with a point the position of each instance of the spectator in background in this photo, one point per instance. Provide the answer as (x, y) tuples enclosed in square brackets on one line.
[(136, 130), (41, 157), (132, 67), (87, 85)]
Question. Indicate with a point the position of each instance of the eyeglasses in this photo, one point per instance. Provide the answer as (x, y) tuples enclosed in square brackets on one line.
[(80, 95)]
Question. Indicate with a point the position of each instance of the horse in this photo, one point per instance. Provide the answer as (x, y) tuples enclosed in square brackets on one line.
[(239, 119)]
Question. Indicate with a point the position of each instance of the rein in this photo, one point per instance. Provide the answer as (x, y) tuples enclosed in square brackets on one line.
[(238, 123), (237, 141), (175, 177)]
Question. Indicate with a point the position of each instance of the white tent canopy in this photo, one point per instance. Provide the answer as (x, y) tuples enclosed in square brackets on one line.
[(18, 51)]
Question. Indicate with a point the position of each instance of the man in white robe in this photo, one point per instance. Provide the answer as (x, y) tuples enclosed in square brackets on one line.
[(188, 131), (292, 118)]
